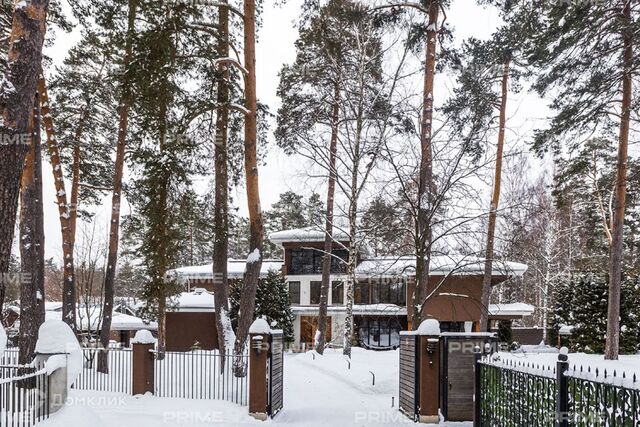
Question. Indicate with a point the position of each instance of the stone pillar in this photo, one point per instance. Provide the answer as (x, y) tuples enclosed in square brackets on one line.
[(58, 379), (142, 371), (429, 378), (259, 335)]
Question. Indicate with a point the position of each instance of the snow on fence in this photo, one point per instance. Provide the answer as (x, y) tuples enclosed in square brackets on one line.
[(197, 375), (511, 394), (24, 393), (117, 379)]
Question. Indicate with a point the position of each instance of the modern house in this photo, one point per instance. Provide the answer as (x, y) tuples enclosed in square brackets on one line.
[(382, 290)]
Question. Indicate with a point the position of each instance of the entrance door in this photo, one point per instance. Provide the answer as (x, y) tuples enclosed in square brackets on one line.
[(308, 327), (458, 370)]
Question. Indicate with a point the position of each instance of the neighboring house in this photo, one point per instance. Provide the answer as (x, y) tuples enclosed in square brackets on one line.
[(88, 319), (381, 293)]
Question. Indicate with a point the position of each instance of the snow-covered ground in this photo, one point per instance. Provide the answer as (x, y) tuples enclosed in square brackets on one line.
[(548, 356), (319, 391)]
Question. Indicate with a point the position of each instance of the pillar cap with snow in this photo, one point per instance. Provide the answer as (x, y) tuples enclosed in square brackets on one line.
[(143, 336), (429, 327), (260, 326)]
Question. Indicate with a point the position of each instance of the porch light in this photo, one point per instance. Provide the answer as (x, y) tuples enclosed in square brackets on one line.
[(256, 343)]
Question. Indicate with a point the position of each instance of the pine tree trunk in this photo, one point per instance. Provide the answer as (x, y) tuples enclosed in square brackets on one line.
[(426, 184), (116, 197), (612, 348), (31, 245), (493, 210), (319, 339), (221, 208), (64, 209), (256, 229), (16, 117)]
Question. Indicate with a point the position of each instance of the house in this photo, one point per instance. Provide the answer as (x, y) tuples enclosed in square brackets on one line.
[(382, 291)]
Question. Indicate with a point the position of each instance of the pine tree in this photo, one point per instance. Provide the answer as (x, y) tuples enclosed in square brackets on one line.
[(31, 244), (585, 51), (272, 303), (17, 88)]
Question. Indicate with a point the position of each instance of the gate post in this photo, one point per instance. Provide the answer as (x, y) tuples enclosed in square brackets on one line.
[(259, 333), (562, 387), (429, 376), (142, 371)]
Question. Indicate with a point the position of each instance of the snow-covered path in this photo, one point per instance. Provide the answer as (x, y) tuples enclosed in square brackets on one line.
[(324, 392)]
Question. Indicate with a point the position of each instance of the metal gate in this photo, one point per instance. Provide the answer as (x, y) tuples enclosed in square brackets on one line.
[(198, 375), (276, 365), (409, 398), (458, 373)]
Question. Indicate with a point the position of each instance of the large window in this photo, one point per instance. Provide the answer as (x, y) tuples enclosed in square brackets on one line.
[(315, 292), (361, 292), (380, 291), (337, 293), (309, 261), (294, 292)]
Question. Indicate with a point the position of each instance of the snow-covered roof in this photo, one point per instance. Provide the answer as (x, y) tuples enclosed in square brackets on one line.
[(307, 234), (235, 269), (197, 300), (511, 309), (92, 321), (440, 265)]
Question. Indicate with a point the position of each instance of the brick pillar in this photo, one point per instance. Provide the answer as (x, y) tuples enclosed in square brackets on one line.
[(259, 335), (429, 379), (142, 370)]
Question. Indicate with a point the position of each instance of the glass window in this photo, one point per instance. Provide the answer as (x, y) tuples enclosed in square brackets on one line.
[(294, 292), (361, 294), (315, 292), (337, 293)]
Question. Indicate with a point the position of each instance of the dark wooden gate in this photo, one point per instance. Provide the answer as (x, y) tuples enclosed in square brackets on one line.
[(409, 398), (276, 365), (458, 374)]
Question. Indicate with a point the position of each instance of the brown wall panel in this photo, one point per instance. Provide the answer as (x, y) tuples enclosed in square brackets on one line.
[(185, 328)]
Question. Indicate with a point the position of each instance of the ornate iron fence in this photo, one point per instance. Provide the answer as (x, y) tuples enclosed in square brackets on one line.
[(24, 396), (513, 394), (601, 398)]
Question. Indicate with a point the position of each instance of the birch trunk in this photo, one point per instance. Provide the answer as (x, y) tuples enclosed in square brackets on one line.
[(328, 230), (31, 245), (221, 210), (493, 210), (16, 119), (64, 209), (612, 347), (426, 184)]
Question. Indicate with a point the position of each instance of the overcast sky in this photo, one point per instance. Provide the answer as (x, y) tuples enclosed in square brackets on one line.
[(276, 47)]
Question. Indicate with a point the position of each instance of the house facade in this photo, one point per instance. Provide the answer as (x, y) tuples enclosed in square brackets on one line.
[(382, 290)]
